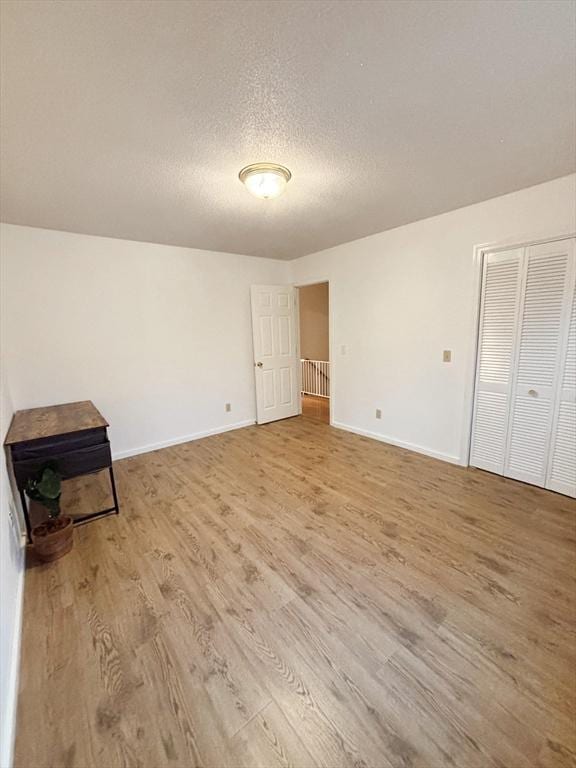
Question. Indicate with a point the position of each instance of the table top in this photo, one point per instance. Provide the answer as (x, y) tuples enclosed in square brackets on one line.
[(35, 423)]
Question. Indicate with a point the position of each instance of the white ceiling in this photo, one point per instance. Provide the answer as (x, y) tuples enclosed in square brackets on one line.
[(132, 119)]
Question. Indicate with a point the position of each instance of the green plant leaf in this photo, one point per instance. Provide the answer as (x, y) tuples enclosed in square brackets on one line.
[(47, 489), (49, 486)]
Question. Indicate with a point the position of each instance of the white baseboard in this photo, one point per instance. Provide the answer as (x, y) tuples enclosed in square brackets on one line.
[(11, 694), (182, 439), (250, 422), (399, 443)]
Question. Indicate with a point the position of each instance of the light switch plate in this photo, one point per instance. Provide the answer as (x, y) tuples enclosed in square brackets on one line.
[(378, 413), (228, 407), (447, 356)]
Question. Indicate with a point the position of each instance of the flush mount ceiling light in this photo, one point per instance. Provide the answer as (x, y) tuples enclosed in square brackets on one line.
[(265, 179)]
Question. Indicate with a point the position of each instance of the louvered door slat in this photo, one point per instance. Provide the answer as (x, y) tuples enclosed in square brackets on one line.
[(539, 347), (498, 313)]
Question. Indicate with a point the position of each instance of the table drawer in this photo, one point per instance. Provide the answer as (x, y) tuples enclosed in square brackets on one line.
[(69, 464), (52, 446)]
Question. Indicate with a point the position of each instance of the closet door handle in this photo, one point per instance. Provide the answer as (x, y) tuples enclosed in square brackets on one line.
[(532, 392)]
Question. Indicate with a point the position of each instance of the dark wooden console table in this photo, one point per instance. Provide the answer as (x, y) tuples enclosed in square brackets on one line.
[(74, 436)]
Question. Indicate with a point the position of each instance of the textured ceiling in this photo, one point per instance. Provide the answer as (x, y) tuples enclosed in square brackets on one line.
[(132, 119)]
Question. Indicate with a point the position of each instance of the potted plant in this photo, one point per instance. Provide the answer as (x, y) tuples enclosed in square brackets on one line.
[(52, 538)]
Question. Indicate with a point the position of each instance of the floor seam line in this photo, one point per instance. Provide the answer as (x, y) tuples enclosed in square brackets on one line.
[(250, 719)]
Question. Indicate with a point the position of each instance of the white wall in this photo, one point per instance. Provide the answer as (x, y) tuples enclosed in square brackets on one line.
[(11, 587), (314, 341), (158, 337), (401, 297)]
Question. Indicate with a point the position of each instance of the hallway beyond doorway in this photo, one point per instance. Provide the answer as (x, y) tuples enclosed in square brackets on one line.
[(314, 330)]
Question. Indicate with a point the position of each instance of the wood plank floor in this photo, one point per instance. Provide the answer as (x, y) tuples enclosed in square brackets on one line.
[(317, 408), (294, 595)]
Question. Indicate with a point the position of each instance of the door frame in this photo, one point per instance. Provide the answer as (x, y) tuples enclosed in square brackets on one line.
[(303, 284), (470, 383)]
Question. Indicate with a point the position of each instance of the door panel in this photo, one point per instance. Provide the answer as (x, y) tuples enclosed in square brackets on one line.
[(562, 464), (276, 361), (498, 318), (538, 361), (529, 439), (266, 349), (285, 386), (268, 400)]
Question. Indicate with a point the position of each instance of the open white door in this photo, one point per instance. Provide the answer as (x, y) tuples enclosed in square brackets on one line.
[(276, 362)]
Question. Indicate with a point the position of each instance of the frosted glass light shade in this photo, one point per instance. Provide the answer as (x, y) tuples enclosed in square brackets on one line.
[(265, 180)]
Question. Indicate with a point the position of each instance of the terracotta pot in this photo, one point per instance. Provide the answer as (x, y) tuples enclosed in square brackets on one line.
[(53, 538)]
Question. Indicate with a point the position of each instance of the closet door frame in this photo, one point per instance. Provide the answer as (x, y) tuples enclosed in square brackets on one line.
[(478, 266)]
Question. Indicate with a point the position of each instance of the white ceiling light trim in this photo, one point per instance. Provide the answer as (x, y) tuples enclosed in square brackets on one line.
[(266, 180)]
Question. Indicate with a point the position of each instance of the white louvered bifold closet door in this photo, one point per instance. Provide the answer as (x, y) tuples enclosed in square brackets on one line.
[(562, 464), (524, 423), (498, 318), (536, 377)]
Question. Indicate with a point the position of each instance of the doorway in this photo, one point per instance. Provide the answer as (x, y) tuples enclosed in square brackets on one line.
[(315, 374)]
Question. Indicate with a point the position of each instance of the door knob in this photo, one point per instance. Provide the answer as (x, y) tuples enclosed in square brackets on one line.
[(532, 392), (259, 365)]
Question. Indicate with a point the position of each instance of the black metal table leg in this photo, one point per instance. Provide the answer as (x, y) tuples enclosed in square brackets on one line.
[(114, 494), (26, 516), (104, 512)]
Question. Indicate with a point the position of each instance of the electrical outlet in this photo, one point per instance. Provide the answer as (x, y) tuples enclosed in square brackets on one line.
[(228, 407), (447, 356), (12, 512), (378, 413)]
